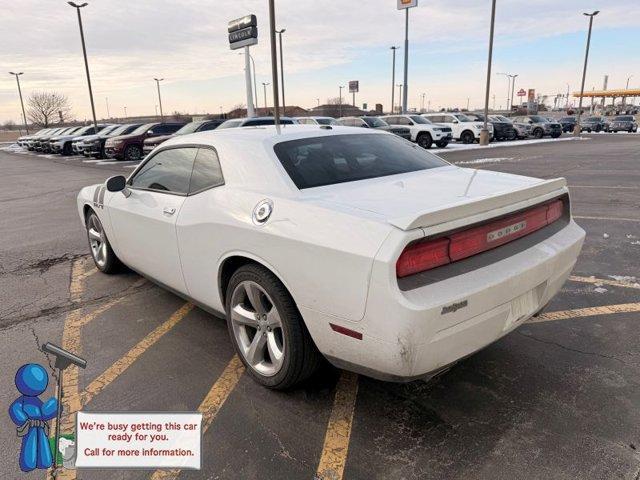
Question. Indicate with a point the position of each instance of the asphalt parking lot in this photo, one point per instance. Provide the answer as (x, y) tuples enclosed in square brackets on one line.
[(558, 398)]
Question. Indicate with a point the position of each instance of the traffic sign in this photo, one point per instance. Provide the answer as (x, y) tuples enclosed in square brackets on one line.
[(402, 4)]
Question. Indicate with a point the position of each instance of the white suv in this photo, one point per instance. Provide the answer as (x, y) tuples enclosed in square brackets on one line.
[(423, 132), (464, 129)]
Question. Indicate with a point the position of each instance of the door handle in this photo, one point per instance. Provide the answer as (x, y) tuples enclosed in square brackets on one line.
[(168, 210)]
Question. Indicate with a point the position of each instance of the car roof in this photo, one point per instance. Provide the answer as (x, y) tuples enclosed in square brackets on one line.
[(247, 156)]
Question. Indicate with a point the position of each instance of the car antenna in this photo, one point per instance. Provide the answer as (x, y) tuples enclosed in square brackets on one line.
[(274, 65)]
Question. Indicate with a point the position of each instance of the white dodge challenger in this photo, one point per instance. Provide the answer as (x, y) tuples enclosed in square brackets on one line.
[(322, 241)]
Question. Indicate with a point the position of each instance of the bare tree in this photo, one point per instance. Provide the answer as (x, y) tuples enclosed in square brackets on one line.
[(45, 108), (334, 101), (9, 125)]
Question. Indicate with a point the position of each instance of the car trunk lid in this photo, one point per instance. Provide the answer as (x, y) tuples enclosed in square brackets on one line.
[(431, 197)]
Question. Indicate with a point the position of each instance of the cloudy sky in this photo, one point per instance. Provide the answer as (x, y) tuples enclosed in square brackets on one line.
[(327, 43)]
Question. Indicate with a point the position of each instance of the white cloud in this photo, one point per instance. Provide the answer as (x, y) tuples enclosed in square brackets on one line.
[(131, 42)]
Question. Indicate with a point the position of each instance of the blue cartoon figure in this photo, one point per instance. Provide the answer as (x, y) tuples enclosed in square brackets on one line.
[(30, 414)]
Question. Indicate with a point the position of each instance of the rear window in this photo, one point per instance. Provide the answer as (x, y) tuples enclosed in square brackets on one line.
[(318, 161), (624, 118)]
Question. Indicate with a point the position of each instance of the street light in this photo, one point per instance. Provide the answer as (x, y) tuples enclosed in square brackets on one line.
[(86, 63), (513, 87), (484, 133), (24, 116), (340, 100), (280, 32), (106, 99), (509, 88), (584, 70), (158, 80), (393, 78), (399, 85), (264, 85)]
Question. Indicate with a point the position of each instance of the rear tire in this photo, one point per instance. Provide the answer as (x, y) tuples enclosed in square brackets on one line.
[(538, 133), (132, 153), (267, 329), (425, 140)]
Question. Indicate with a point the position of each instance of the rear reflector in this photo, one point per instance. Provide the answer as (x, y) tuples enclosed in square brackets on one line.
[(346, 331), (426, 255)]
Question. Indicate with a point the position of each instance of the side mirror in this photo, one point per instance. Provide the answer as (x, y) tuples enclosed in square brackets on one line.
[(530, 121), (150, 132), (365, 125), (117, 183), (455, 121)]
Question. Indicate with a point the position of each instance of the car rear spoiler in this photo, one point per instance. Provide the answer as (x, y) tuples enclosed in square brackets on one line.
[(466, 208)]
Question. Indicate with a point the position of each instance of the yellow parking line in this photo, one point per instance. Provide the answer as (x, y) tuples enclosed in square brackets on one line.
[(586, 312), (613, 283), (619, 219), (336, 440), (211, 405), (115, 370)]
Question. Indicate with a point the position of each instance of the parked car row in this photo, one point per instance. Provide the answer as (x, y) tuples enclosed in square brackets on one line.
[(132, 141)]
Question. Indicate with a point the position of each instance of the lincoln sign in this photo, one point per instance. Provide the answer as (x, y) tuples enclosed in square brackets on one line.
[(243, 32)]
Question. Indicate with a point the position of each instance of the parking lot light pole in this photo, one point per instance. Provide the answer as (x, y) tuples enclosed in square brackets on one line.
[(158, 80), (280, 32), (508, 87), (393, 78), (24, 116), (576, 130), (400, 97), (274, 64), (484, 133), (86, 63), (264, 86), (340, 99), (406, 60), (513, 87), (624, 99)]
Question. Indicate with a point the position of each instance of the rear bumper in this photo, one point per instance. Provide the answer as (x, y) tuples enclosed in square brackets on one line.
[(412, 334)]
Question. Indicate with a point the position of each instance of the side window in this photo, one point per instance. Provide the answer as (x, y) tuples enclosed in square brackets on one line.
[(208, 126), (167, 171), (391, 120), (166, 129), (206, 171), (403, 121)]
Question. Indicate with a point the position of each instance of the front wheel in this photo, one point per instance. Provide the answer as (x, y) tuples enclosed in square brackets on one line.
[(538, 133), (442, 143), (267, 330), (425, 140), (132, 153), (467, 137), (103, 256)]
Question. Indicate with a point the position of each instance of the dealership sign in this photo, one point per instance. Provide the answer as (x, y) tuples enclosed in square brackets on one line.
[(521, 92), (354, 86), (243, 32), (402, 4)]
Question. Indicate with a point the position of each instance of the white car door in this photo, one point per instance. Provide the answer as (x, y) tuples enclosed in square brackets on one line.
[(144, 223)]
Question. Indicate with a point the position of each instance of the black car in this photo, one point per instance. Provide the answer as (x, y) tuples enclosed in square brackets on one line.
[(94, 146), (374, 122), (568, 123), (502, 130), (593, 124), (622, 123)]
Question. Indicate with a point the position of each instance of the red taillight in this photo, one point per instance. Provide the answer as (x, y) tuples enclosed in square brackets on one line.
[(554, 212), (422, 256)]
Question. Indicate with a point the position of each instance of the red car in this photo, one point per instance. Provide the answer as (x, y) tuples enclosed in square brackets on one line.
[(193, 127), (129, 147)]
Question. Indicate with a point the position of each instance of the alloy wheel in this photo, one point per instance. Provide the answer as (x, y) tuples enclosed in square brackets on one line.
[(257, 328), (97, 240)]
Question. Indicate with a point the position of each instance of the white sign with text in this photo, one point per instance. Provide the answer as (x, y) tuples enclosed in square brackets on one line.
[(138, 440)]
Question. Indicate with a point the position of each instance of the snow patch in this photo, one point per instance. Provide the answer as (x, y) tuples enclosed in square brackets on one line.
[(483, 160)]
